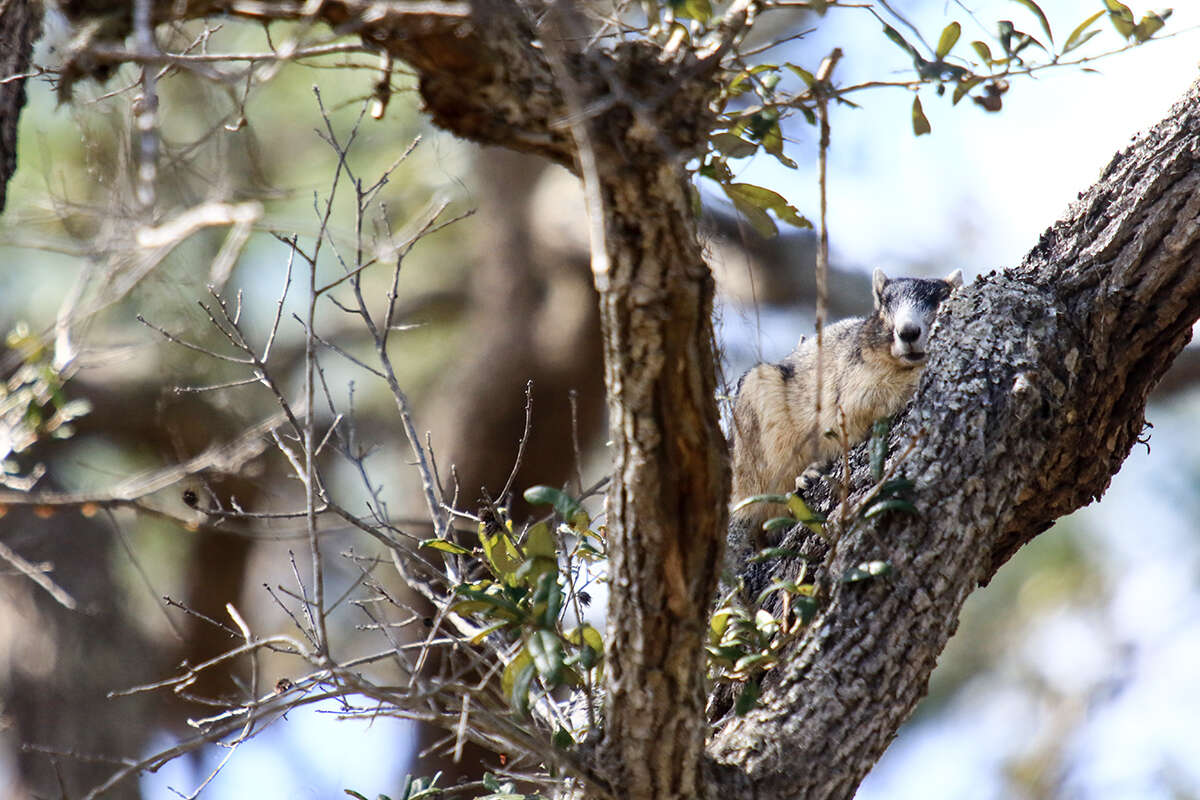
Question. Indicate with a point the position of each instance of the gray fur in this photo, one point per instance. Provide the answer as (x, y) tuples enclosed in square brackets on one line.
[(870, 369)]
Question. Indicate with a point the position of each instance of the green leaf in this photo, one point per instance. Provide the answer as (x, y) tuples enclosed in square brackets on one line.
[(774, 523), (1037, 11), (803, 74), (488, 600), (539, 542), (353, 793), (1121, 17), (1151, 24), (732, 145), (768, 553), (920, 122), (1077, 38), (805, 607), (810, 519), (895, 504), (895, 486), (546, 651), (554, 598), (532, 569), (585, 634), (693, 9), (747, 698), (478, 638), (501, 554), (761, 498), (446, 546), (519, 698), (562, 739), (787, 586), (964, 87), (749, 195), (867, 570), (718, 624), (508, 679), (772, 142), (983, 51), (563, 503), (754, 661), (900, 41), (948, 38)]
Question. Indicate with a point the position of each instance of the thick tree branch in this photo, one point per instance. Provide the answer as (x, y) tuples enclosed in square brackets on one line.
[(1032, 400)]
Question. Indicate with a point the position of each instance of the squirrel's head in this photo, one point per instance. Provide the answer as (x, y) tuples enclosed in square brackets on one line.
[(907, 307)]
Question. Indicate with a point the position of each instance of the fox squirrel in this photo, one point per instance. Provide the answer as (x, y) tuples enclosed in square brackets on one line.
[(870, 367)]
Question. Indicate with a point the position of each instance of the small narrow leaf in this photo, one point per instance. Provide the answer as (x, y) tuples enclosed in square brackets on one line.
[(508, 678), (983, 51), (965, 86), (775, 523), (949, 37), (761, 498), (1077, 36), (920, 122), (803, 74), (867, 570), (895, 486), (768, 553), (1037, 12), (894, 504), (446, 546), (519, 698), (895, 36)]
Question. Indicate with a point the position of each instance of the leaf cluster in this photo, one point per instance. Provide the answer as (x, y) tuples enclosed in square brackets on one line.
[(33, 404), (525, 595), (756, 98)]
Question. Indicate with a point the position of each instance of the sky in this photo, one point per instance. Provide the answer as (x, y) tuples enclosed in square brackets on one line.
[(982, 186)]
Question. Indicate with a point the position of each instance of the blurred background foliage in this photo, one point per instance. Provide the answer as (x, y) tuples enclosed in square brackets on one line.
[(1082, 651)]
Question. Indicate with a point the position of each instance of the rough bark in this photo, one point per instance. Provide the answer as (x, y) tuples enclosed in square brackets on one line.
[(1034, 396), (666, 513), (20, 24)]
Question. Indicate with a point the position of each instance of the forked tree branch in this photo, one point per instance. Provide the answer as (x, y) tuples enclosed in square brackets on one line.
[(1034, 395)]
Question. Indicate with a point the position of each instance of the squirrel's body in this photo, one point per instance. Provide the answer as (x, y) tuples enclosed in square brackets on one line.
[(870, 368)]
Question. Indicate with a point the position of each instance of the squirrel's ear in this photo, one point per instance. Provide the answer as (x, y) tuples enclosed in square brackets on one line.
[(954, 279), (878, 281)]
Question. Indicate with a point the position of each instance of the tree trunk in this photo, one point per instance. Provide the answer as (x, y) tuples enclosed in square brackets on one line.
[(1033, 397)]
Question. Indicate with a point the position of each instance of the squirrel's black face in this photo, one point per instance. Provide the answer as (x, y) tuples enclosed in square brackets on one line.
[(907, 307)]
